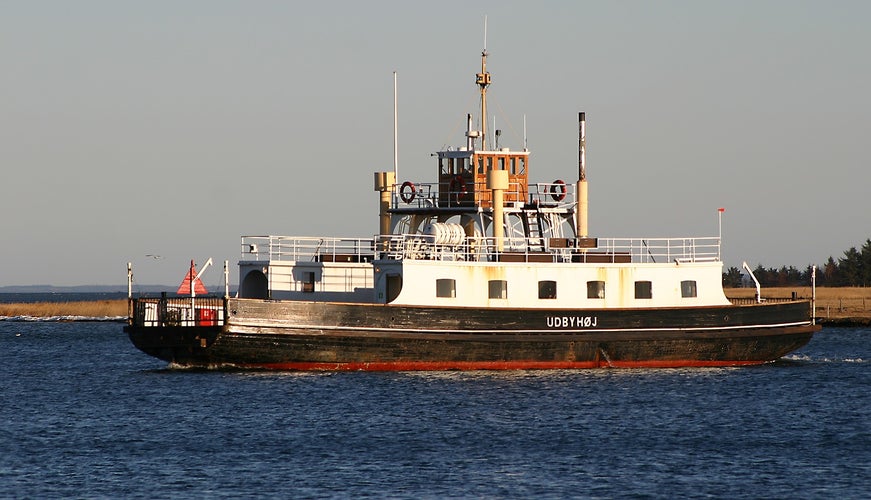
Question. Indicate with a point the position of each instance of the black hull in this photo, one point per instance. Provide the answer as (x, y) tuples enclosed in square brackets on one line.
[(290, 335)]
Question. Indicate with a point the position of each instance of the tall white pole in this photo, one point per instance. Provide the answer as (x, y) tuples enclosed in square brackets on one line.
[(720, 233), (814, 295), (193, 317), (395, 130)]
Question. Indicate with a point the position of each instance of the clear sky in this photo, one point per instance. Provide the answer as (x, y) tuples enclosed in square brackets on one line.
[(173, 128)]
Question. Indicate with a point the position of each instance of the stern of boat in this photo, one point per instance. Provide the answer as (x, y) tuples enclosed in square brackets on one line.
[(176, 329)]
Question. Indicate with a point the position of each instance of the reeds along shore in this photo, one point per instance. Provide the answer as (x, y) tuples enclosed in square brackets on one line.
[(834, 304), (88, 309)]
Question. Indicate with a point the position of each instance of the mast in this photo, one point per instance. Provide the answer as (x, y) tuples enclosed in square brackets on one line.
[(395, 130), (581, 229), (483, 81)]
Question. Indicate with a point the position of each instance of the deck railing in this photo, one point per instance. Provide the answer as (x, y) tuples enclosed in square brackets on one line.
[(752, 300), (312, 249), (423, 247), (177, 311)]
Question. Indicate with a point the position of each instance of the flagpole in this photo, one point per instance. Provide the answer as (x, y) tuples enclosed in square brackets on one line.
[(193, 294), (720, 234)]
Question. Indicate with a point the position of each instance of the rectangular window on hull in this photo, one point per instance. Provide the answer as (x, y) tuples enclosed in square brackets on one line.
[(547, 289), (595, 289), (643, 290), (498, 289), (446, 288), (688, 288)]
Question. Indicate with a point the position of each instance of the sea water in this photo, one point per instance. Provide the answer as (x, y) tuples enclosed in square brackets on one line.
[(85, 414)]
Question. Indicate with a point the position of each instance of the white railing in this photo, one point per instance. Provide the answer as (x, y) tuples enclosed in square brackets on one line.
[(423, 247), (295, 248)]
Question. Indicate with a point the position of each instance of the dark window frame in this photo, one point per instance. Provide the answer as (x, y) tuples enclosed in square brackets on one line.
[(644, 289), (689, 289), (596, 289), (450, 293), (547, 289), (502, 289)]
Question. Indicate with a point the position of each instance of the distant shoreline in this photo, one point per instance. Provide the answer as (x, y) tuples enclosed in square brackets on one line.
[(841, 306)]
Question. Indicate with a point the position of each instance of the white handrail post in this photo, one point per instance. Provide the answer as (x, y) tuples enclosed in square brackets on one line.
[(758, 287)]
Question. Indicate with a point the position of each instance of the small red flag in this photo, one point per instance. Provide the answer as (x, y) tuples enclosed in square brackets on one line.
[(721, 209), (185, 287)]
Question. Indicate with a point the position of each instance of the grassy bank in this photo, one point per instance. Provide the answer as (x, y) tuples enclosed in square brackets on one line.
[(91, 309), (832, 302)]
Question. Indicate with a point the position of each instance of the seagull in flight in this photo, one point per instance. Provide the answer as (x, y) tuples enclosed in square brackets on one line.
[(153, 256)]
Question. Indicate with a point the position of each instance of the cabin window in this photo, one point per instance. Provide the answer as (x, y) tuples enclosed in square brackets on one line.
[(461, 165), (480, 164), (595, 289), (446, 288), (547, 289), (643, 290), (502, 162), (688, 288), (513, 166), (522, 165), (498, 289)]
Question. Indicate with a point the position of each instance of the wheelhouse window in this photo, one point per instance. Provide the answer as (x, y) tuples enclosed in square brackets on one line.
[(547, 289), (643, 290), (688, 288), (498, 289), (595, 289), (446, 287)]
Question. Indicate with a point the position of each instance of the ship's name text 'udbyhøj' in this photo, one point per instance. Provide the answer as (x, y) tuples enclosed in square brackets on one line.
[(572, 321)]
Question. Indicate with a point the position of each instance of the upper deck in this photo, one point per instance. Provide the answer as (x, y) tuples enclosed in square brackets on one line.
[(480, 249)]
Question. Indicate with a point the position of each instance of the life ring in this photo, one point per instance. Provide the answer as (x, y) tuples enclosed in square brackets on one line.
[(558, 190), (457, 187), (407, 196)]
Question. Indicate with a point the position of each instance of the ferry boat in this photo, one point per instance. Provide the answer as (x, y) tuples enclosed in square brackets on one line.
[(479, 269)]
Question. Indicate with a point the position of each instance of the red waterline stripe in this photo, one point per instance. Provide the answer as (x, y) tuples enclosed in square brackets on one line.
[(492, 365)]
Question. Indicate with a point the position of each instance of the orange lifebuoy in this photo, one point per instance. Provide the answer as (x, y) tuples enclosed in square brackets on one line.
[(558, 190), (407, 196)]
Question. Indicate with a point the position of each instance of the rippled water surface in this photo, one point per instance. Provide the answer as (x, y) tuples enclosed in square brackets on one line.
[(84, 414)]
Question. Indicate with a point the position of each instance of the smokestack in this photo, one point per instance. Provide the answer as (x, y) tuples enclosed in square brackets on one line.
[(497, 181), (384, 182)]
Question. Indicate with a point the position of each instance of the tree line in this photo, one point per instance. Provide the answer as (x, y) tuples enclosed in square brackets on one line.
[(853, 269)]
